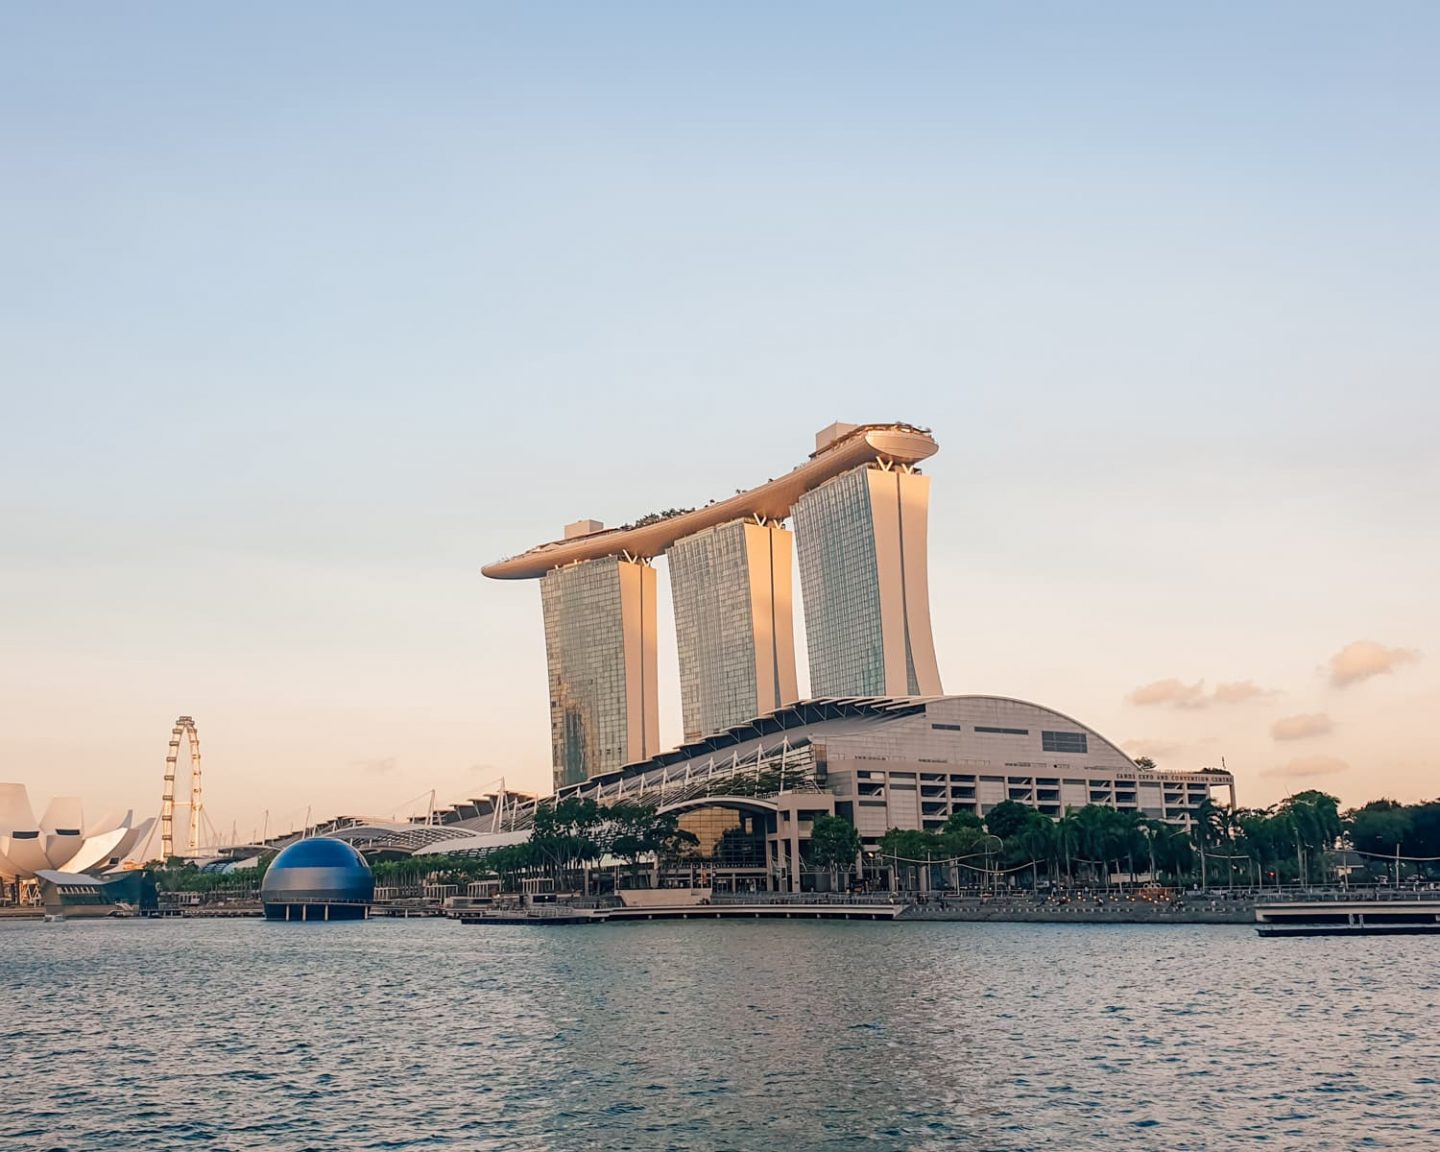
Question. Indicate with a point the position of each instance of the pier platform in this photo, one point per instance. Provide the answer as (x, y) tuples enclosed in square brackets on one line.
[(1348, 918), (559, 914)]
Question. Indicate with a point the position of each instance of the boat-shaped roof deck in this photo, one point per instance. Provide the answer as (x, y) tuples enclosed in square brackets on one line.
[(901, 444)]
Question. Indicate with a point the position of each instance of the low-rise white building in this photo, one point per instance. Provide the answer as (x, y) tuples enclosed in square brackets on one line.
[(912, 767), (750, 794)]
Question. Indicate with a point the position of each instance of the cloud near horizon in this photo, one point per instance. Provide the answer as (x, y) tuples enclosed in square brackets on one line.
[(1362, 659), (1309, 766), (1172, 691), (1239, 691), (1301, 727), (1177, 694)]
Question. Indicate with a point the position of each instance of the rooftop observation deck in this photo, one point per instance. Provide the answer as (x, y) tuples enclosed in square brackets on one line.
[(901, 444)]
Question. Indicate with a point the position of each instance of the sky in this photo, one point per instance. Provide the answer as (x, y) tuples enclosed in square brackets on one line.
[(308, 311)]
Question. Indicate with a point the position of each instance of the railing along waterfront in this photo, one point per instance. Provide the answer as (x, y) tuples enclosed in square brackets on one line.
[(837, 898), (1346, 895), (550, 911)]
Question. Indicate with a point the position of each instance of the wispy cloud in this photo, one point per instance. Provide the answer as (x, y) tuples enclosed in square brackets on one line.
[(1309, 766), (1301, 727), (377, 767), (1176, 693), (1239, 691), (1363, 659), (1172, 692)]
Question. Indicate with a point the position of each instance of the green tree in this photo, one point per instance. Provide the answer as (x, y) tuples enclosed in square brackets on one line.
[(963, 821), (1130, 840), (511, 862), (1207, 823), (1263, 837), (564, 837), (640, 832), (1007, 818), (1380, 827), (1067, 840), (1425, 829), (1095, 837), (1037, 842), (834, 844), (910, 849), (1170, 849), (1313, 819)]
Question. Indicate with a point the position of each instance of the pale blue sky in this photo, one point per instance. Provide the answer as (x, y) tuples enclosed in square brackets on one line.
[(308, 311)]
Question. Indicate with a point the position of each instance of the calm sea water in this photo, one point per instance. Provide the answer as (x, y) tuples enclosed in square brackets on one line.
[(426, 1034)]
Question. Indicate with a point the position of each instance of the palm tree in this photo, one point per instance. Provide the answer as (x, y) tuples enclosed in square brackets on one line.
[(1129, 837), (1256, 834), (1314, 820), (1206, 824), (1037, 840), (1153, 830), (1067, 839), (1096, 826)]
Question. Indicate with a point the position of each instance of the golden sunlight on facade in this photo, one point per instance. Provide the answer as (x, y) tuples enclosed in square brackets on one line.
[(859, 506)]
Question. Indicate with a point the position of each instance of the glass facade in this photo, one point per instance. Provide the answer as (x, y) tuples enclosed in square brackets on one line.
[(1063, 741), (862, 543), (600, 652), (859, 508), (710, 825), (840, 585), (733, 627)]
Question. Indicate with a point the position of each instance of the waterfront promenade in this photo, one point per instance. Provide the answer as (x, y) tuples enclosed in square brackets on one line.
[(1079, 906), (1075, 906), (1099, 909)]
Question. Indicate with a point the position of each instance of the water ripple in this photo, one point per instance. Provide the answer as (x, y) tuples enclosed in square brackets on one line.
[(697, 1036)]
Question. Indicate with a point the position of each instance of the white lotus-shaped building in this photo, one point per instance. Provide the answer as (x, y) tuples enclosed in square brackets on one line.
[(60, 840)]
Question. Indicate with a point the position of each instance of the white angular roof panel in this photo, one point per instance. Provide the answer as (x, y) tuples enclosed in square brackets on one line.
[(60, 839)]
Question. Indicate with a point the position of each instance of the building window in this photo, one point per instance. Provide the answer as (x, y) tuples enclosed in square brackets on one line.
[(950, 727), (1063, 742), (1005, 731)]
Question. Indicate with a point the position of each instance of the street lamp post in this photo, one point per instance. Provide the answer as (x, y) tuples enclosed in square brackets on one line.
[(994, 886)]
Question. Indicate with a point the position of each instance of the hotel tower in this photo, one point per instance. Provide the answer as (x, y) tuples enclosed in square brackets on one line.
[(859, 508), (734, 629)]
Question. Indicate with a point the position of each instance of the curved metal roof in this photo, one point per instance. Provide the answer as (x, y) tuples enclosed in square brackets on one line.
[(895, 443), (396, 837), (801, 714)]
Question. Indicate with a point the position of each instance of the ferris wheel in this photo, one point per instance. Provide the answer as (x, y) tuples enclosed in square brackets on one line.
[(184, 726)]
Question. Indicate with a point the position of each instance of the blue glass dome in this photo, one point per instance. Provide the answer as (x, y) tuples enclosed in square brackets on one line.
[(318, 871), (319, 852)]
